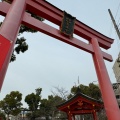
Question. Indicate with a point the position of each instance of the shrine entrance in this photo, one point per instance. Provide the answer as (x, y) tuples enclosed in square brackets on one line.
[(15, 17), (81, 104)]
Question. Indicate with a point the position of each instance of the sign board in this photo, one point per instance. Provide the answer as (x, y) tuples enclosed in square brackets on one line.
[(67, 26)]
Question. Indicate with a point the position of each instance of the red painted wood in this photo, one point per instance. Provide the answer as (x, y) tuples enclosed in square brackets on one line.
[(10, 29), (42, 27), (73, 104), (69, 116), (59, 12), (110, 103), (107, 56), (55, 15), (8, 34), (53, 32), (31, 22), (5, 46), (95, 115), (4, 8), (82, 112), (13, 20)]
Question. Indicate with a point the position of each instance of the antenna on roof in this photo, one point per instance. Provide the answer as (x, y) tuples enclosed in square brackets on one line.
[(78, 80)]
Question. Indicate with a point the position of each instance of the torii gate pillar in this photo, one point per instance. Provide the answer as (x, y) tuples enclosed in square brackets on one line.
[(69, 116), (104, 83), (8, 34)]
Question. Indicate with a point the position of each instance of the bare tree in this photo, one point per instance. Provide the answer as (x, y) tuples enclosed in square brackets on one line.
[(61, 92)]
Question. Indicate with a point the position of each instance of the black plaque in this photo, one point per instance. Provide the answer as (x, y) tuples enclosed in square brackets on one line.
[(67, 26)]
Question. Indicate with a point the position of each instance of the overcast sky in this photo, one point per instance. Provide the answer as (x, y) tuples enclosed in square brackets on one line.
[(50, 62)]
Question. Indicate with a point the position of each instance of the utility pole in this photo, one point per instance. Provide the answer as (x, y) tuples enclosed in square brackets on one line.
[(114, 23)]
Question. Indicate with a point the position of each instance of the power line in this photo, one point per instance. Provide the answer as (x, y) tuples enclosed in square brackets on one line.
[(114, 23), (118, 22), (111, 27)]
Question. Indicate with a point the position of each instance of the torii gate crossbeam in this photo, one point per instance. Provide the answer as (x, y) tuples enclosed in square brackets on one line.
[(10, 28)]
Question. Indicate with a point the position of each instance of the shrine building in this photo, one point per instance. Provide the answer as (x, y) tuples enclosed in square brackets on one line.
[(81, 104)]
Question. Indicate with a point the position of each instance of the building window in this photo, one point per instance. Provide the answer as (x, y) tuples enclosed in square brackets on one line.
[(117, 96)]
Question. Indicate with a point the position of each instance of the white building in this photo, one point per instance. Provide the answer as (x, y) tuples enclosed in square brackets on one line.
[(116, 68), (116, 86)]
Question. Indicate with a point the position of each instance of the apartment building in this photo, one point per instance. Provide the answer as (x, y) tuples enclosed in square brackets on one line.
[(116, 86), (116, 68)]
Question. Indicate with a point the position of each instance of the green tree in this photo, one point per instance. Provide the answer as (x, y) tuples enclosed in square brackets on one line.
[(11, 104), (48, 107), (21, 46), (2, 115), (61, 92), (92, 90), (33, 101)]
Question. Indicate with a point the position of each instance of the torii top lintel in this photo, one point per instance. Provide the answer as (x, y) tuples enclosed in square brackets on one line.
[(55, 15)]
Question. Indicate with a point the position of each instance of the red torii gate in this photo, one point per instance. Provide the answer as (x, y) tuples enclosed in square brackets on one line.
[(16, 15)]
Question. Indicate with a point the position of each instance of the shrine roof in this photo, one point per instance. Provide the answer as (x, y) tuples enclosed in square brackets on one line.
[(80, 97)]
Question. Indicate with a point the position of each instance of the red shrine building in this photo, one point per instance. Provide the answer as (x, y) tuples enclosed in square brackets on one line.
[(81, 104)]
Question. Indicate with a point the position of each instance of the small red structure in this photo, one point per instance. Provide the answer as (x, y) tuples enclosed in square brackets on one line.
[(14, 17), (81, 104)]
